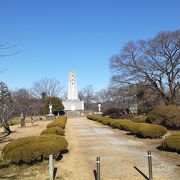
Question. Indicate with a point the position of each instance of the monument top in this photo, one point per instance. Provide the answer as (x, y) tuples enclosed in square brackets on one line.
[(72, 86)]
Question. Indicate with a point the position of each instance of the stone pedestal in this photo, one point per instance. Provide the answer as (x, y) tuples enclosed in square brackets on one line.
[(73, 105), (50, 116)]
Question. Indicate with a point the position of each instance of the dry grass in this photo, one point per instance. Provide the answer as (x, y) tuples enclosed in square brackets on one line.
[(37, 171)]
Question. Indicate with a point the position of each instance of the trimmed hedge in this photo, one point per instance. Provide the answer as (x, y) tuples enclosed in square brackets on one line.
[(168, 116), (172, 143), (32, 149), (54, 130), (139, 119), (59, 122), (151, 131), (139, 129)]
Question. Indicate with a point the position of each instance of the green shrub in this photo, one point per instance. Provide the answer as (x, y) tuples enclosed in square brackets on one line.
[(59, 122), (34, 148), (172, 143), (114, 123), (54, 130), (133, 128), (168, 116), (139, 119), (151, 131), (125, 124)]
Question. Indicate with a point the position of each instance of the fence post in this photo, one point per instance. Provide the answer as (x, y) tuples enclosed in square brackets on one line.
[(98, 168), (51, 167), (150, 165)]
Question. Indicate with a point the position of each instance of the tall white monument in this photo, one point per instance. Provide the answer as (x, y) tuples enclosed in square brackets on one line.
[(72, 86), (73, 103)]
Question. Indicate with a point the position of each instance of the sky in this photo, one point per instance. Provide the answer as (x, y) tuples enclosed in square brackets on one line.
[(56, 36)]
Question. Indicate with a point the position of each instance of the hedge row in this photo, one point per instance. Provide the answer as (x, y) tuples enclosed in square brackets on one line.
[(59, 122), (172, 143), (139, 129), (34, 148)]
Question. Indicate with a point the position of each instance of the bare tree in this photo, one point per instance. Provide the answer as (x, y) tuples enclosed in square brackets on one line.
[(46, 87), (87, 95), (113, 97), (23, 103), (7, 49), (22, 99), (155, 63), (6, 106)]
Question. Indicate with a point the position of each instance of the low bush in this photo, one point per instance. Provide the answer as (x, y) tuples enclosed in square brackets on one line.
[(172, 143), (139, 119), (144, 130), (59, 122), (121, 124), (54, 130), (168, 116), (32, 149), (151, 131)]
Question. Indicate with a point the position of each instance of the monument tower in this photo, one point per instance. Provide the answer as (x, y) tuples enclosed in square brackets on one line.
[(73, 104), (72, 86)]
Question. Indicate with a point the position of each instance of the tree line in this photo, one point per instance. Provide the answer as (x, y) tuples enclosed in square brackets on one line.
[(29, 102), (146, 72)]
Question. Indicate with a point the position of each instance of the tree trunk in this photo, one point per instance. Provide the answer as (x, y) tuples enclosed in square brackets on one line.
[(6, 127)]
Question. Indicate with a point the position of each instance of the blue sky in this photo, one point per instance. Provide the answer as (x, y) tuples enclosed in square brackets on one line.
[(55, 36)]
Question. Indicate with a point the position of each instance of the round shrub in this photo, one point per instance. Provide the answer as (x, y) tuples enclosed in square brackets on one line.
[(34, 148), (168, 116), (54, 130), (56, 124), (59, 122), (172, 143)]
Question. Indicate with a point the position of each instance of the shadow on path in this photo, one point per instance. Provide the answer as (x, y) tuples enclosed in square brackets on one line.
[(140, 172), (95, 174)]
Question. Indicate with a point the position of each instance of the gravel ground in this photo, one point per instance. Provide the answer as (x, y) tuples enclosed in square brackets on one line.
[(121, 155)]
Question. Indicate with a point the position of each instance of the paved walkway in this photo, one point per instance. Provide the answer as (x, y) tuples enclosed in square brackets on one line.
[(121, 155)]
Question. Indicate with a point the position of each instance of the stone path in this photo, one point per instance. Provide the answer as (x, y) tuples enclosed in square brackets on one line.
[(121, 155)]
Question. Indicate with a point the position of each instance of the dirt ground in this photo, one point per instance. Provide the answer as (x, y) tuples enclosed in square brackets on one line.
[(122, 156)]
